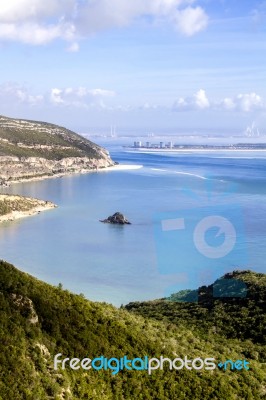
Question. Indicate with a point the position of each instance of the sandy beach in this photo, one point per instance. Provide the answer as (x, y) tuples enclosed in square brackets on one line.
[(118, 167)]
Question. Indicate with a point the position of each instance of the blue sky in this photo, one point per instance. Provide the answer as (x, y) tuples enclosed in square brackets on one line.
[(151, 65)]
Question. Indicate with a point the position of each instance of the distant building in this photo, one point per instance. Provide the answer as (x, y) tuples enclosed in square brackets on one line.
[(137, 144), (170, 145), (148, 144), (161, 145)]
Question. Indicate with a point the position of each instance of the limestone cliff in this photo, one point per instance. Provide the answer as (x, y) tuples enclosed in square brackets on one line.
[(30, 149)]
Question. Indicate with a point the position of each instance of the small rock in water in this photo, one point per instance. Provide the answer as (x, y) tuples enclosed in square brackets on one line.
[(117, 218)]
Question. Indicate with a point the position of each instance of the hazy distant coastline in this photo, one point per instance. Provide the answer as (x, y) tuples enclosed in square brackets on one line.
[(170, 147)]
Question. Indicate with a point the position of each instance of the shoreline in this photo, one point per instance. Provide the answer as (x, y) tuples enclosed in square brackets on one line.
[(42, 205), (23, 214), (118, 167), (38, 206)]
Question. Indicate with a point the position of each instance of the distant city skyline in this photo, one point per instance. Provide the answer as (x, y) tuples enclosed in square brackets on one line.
[(148, 65)]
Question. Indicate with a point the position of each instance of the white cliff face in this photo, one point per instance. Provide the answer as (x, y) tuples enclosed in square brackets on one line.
[(14, 168)]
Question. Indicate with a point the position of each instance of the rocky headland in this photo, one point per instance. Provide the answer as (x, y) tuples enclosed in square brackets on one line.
[(13, 207), (37, 150)]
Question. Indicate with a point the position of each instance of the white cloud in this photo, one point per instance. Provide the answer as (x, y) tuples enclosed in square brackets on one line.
[(181, 103), (36, 34), (11, 92), (83, 97), (228, 103), (199, 101), (55, 96), (190, 21), (80, 97), (23, 10), (38, 22), (250, 101), (244, 102), (104, 14)]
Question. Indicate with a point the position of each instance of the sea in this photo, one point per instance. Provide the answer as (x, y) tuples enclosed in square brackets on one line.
[(194, 216)]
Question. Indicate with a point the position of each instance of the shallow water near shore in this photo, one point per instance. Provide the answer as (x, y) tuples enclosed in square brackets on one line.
[(119, 264)]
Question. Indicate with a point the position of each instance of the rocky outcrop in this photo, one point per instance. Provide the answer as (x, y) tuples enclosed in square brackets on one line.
[(25, 305), (117, 218)]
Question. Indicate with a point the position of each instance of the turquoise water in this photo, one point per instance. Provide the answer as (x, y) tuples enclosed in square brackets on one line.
[(119, 264)]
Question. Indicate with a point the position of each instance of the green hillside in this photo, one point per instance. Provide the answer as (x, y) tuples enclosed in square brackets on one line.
[(24, 138), (38, 321), (230, 317)]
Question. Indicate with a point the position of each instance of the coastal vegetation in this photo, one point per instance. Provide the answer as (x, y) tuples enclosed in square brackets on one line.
[(30, 149), (237, 317), (39, 321), (15, 206), (24, 138)]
